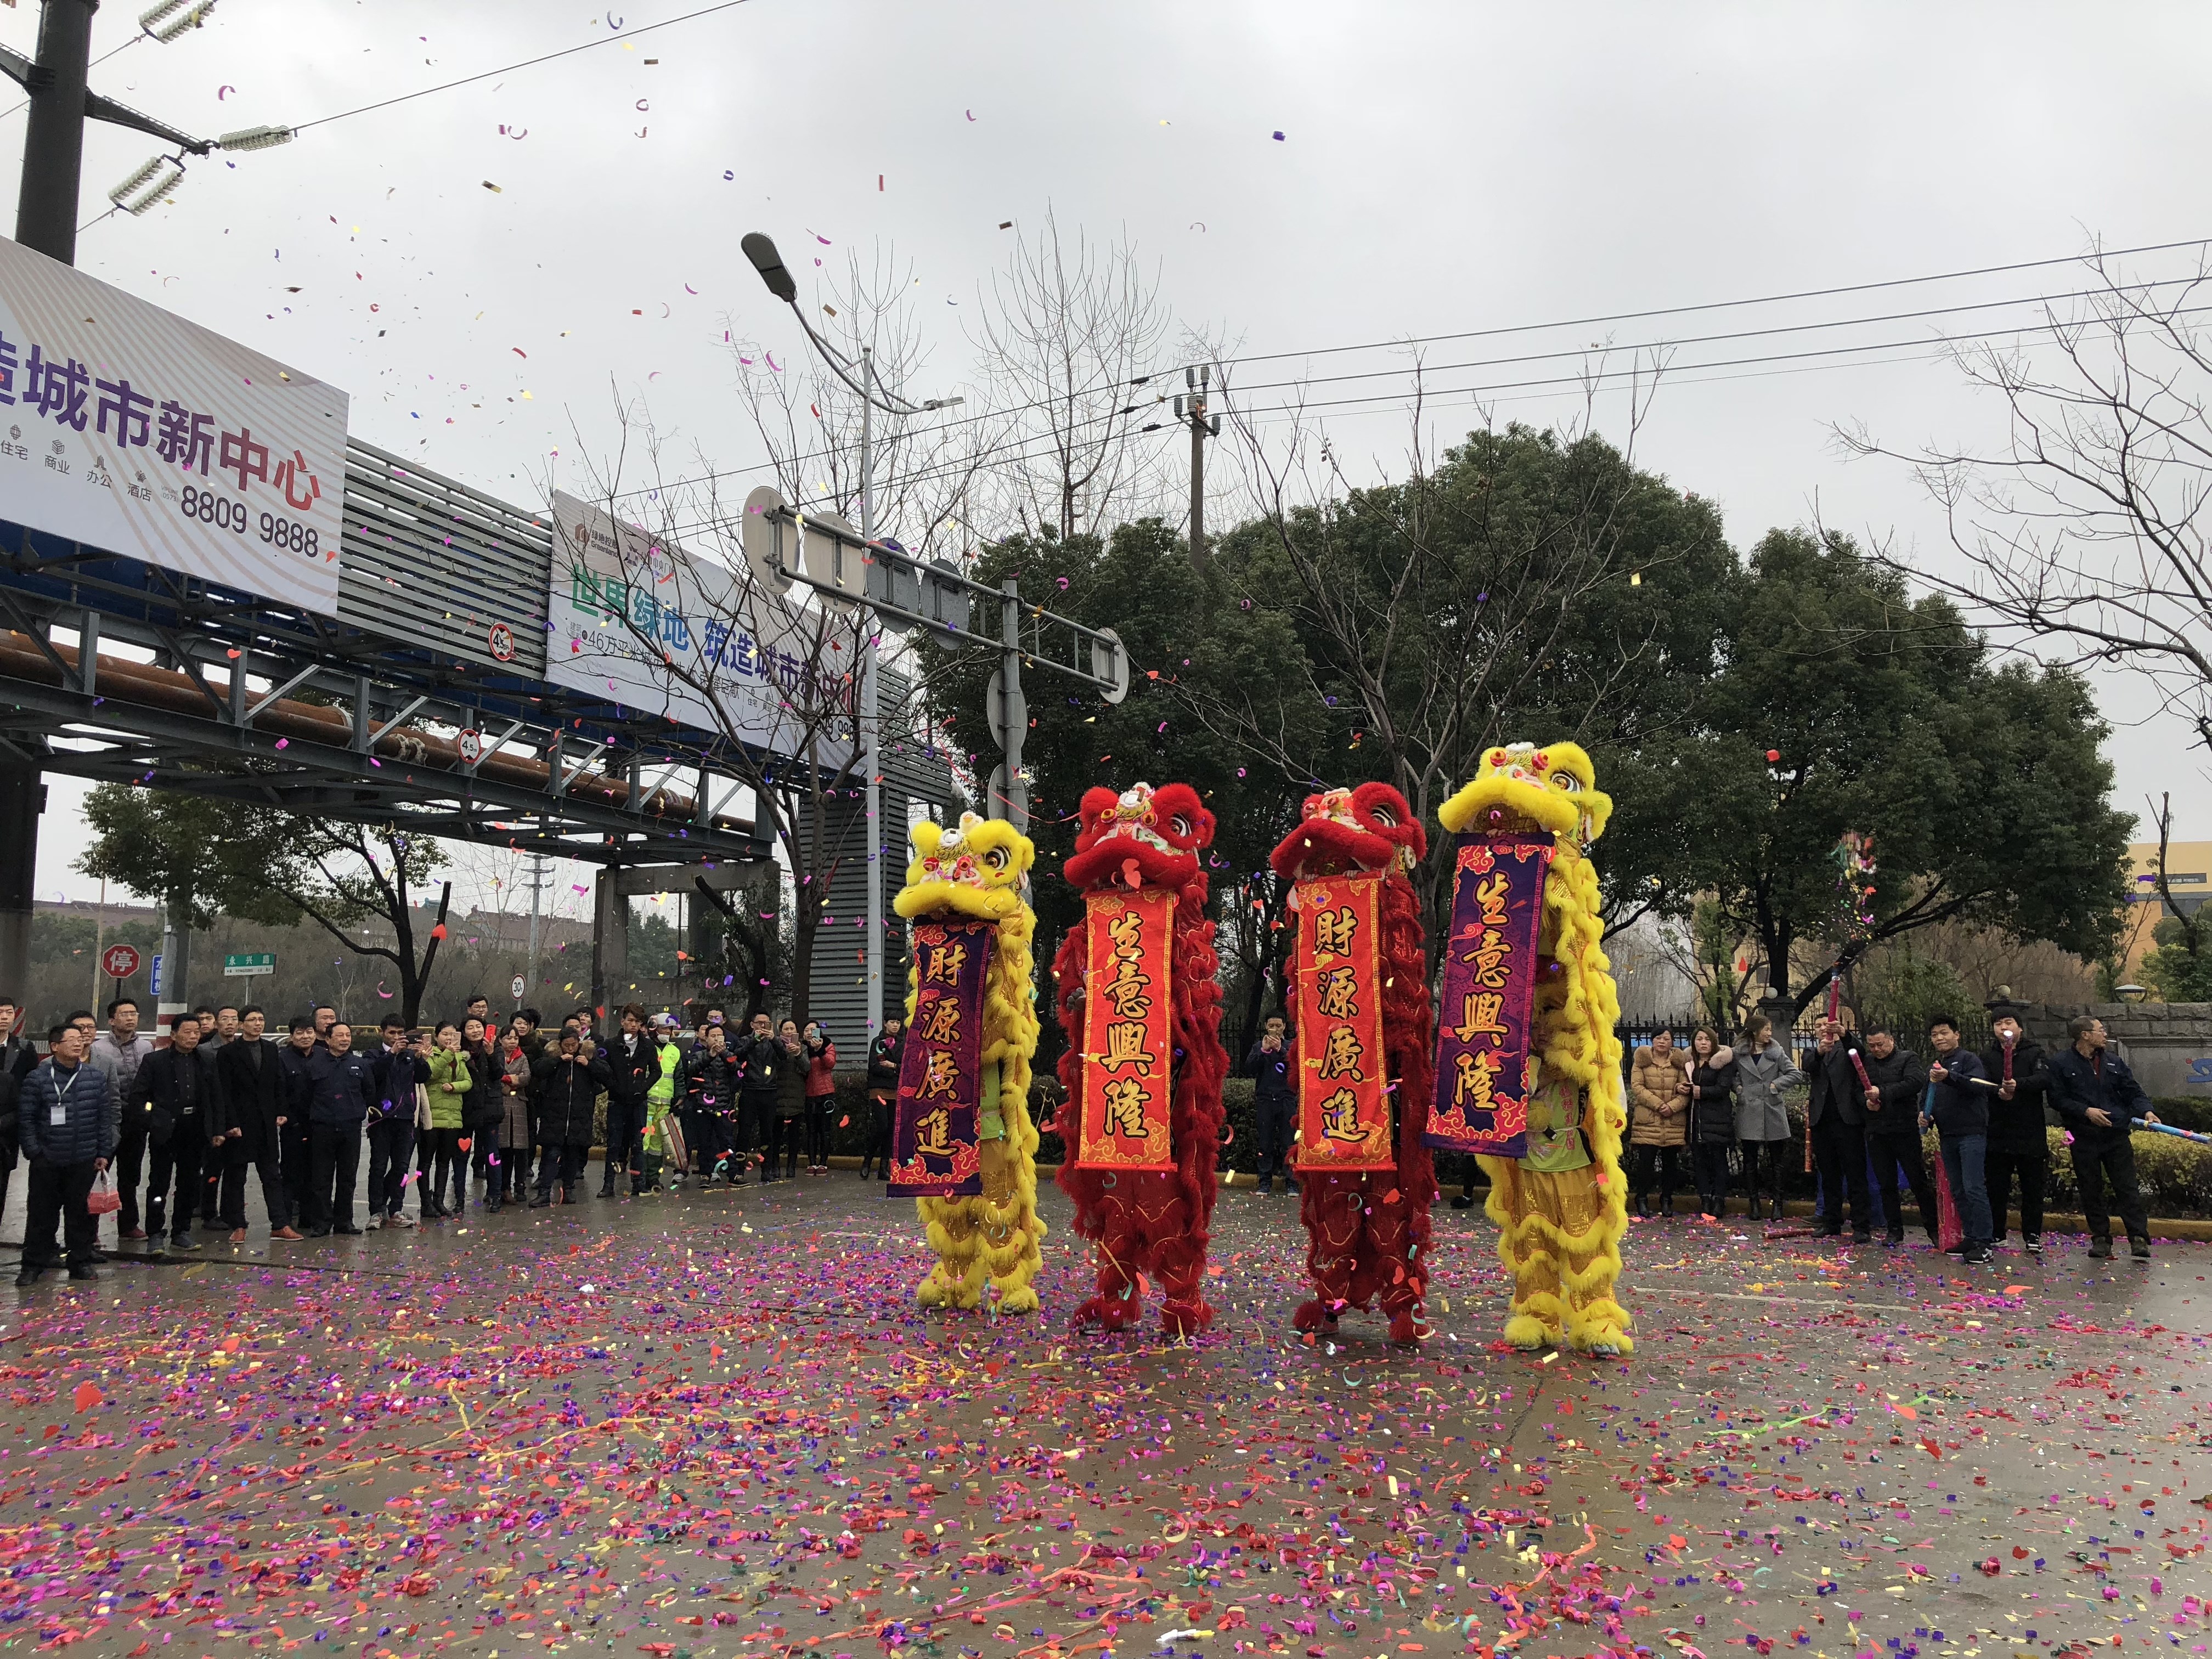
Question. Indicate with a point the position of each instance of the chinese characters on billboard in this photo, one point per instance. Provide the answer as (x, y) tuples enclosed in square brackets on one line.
[(127, 428)]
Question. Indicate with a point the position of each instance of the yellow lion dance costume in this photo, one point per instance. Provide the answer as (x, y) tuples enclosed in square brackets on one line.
[(978, 871), (1560, 1210)]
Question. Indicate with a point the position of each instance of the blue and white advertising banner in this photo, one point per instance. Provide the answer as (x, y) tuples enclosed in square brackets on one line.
[(127, 428)]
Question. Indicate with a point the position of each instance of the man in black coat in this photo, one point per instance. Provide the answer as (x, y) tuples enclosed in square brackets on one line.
[(2019, 1145), (758, 1058), (709, 1082), (295, 1078), (1896, 1080), (1837, 1113), (2096, 1094), (253, 1126), (1273, 1103), (567, 1084), (178, 1097), (633, 1062)]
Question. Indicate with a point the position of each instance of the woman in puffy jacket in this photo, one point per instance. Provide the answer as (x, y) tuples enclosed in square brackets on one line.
[(790, 1099), (1661, 1119), (1709, 1089), (485, 1110), (451, 1078), (821, 1096)]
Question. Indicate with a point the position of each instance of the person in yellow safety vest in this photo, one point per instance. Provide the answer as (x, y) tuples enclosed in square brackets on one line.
[(663, 1132)]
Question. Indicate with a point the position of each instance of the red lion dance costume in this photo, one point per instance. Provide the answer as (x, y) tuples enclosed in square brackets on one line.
[(1142, 1071), (1368, 1226)]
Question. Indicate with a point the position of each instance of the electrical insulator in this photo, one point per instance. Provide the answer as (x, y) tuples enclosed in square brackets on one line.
[(255, 139), (149, 186), (172, 18)]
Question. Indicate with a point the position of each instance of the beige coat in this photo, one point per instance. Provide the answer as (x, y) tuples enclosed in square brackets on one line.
[(1658, 1108)]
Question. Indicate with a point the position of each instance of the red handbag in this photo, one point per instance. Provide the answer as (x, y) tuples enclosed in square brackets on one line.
[(103, 1199)]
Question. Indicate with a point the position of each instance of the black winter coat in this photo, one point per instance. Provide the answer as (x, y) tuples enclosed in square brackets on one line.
[(1713, 1111), (567, 1092), (1903, 1080), (885, 1055), (1834, 1085), (709, 1081), (761, 1062), (2017, 1126), (174, 1092), (2104, 1081), (253, 1095), (628, 1076)]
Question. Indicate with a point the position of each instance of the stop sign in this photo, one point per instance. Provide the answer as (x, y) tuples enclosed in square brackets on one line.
[(119, 961)]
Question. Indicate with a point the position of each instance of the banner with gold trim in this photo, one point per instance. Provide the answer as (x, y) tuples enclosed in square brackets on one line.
[(935, 1153), (1344, 1079), (1485, 1029), (1128, 1032)]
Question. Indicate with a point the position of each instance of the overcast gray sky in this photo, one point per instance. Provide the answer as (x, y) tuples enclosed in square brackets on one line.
[(1442, 168)]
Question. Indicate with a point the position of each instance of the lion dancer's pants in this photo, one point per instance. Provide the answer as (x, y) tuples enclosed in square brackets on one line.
[(1359, 1232), (987, 1240), (1561, 1241), (1148, 1228)]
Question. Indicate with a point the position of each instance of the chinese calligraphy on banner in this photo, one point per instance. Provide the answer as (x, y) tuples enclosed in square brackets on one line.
[(1484, 1027), (621, 597), (127, 429), (935, 1153), (1129, 1033), (1343, 1099)]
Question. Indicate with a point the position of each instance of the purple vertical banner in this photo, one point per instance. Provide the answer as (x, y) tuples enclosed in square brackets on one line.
[(935, 1153), (1485, 1026)]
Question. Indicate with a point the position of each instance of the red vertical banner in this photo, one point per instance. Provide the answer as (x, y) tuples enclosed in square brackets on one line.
[(1128, 1032), (1344, 1084)]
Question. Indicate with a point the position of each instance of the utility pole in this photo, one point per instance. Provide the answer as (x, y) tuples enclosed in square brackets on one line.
[(45, 221), (538, 878), (1191, 410)]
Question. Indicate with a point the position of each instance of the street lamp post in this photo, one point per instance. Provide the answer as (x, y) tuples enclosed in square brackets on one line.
[(761, 251)]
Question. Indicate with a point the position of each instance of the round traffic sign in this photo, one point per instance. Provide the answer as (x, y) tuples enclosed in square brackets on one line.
[(118, 961), (517, 988), (470, 744), (502, 640)]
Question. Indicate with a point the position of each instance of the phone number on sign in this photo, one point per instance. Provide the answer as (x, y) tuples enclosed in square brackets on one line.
[(225, 513)]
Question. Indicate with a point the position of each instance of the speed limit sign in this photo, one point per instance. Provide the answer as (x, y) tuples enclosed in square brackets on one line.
[(119, 961), (517, 988)]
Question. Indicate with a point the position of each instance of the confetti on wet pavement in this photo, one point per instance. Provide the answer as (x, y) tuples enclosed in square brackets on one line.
[(715, 1424)]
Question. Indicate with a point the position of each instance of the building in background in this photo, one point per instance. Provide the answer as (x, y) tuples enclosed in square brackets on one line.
[(2189, 876)]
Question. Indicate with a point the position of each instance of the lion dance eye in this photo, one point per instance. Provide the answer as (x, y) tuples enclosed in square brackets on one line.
[(1180, 827), (996, 858), (1385, 817), (1568, 781)]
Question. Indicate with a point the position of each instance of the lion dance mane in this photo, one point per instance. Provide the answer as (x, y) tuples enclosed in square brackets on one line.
[(1559, 1234), (1368, 1231), (1155, 1223), (987, 1243)]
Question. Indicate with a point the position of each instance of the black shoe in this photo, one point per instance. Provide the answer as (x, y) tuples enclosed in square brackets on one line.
[(319, 1232), (2100, 1249), (98, 1258), (183, 1242), (1832, 1230), (2032, 1243), (348, 1229), (1462, 1201), (2139, 1248), (83, 1271), (28, 1275), (1291, 1187), (1980, 1256), (542, 1201), (1866, 1237), (607, 1188), (1896, 1235)]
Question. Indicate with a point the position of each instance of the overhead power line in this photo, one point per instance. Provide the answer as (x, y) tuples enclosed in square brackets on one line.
[(527, 63)]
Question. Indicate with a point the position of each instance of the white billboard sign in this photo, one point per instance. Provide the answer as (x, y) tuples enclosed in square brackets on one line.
[(127, 428), (624, 615)]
